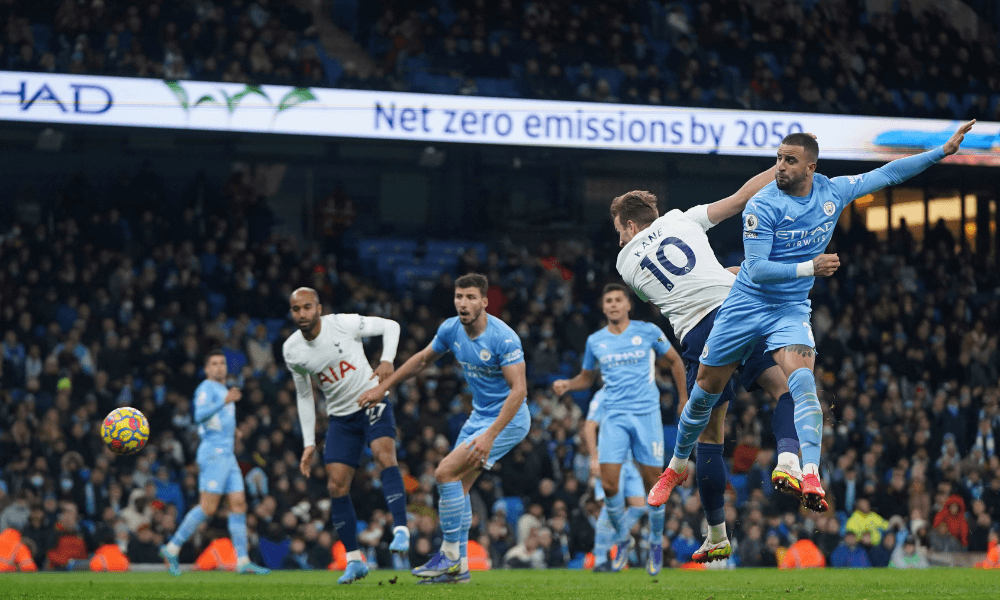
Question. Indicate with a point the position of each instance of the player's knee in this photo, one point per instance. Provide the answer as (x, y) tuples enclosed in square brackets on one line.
[(385, 458), (711, 436), (238, 506), (610, 487), (337, 488)]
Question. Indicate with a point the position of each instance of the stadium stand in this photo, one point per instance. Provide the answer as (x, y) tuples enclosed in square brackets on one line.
[(826, 57), (116, 303)]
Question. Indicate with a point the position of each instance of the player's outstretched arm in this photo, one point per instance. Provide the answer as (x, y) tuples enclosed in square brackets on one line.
[(417, 363), (582, 381), (899, 170), (721, 210)]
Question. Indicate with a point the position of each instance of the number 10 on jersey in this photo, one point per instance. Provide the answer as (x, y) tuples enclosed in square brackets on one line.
[(665, 263)]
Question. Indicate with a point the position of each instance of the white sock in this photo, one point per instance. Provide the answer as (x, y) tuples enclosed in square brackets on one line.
[(397, 528), (810, 469), (464, 564), (450, 550), (679, 465), (790, 460), (354, 555), (173, 548), (717, 533), (243, 560)]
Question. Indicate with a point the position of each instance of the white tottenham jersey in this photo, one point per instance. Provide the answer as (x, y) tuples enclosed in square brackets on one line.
[(672, 264), (336, 361)]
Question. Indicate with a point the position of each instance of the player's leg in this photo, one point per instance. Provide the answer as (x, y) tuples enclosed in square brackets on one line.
[(238, 529), (646, 436), (731, 340), (381, 432), (787, 475), (613, 441), (211, 477), (345, 439), (789, 334), (712, 481), (450, 475)]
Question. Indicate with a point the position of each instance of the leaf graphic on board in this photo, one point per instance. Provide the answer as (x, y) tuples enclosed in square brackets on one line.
[(233, 101), (180, 93), (294, 98), (205, 99)]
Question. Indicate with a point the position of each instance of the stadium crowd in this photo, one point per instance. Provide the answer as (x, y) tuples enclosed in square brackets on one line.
[(827, 57), (118, 302)]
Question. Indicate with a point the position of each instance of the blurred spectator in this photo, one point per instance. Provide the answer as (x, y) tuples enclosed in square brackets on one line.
[(909, 556), (850, 553), (953, 517)]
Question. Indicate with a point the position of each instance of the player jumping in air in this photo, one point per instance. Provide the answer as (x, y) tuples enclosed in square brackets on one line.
[(328, 350), (215, 413), (669, 261), (493, 363), (786, 228), (625, 352)]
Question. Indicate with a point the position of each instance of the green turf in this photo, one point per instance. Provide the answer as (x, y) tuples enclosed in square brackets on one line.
[(522, 585)]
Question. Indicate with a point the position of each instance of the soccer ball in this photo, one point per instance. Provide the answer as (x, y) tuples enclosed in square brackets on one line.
[(125, 430)]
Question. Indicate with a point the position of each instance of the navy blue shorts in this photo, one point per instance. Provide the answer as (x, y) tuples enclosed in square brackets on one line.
[(693, 345), (347, 436)]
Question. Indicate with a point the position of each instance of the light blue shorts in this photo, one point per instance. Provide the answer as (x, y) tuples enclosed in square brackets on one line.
[(744, 320), (642, 434), (629, 482), (512, 434), (218, 471)]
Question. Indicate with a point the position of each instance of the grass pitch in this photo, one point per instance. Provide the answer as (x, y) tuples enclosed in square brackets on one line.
[(831, 584)]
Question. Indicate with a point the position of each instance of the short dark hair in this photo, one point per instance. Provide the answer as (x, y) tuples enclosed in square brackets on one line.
[(216, 352), (616, 287), (636, 206), (807, 142), (473, 280)]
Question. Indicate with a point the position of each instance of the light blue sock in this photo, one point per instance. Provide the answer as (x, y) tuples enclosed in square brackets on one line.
[(694, 419), (808, 414), (238, 533), (463, 545), (657, 516), (451, 507), (616, 514), (603, 538), (632, 516), (195, 517)]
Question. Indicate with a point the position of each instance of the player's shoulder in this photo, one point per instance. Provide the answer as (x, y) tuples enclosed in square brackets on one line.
[(598, 335), (449, 326), (206, 387), (499, 327), (293, 340)]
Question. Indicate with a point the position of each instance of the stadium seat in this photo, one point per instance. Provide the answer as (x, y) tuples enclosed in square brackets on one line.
[(42, 34), (235, 360), (513, 508), (216, 304), (740, 486), (669, 435), (274, 328)]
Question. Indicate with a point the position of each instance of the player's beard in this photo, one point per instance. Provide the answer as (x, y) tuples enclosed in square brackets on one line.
[(787, 185), (310, 326), (470, 318)]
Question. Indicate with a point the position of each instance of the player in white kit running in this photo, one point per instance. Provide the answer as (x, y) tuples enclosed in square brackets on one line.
[(328, 350)]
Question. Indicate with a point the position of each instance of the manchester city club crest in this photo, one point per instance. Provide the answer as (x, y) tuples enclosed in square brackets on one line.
[(636, 340), (829, 208), (485, 354)]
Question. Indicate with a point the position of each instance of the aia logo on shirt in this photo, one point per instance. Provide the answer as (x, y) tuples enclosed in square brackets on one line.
[(344, 368), (829, 208)]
